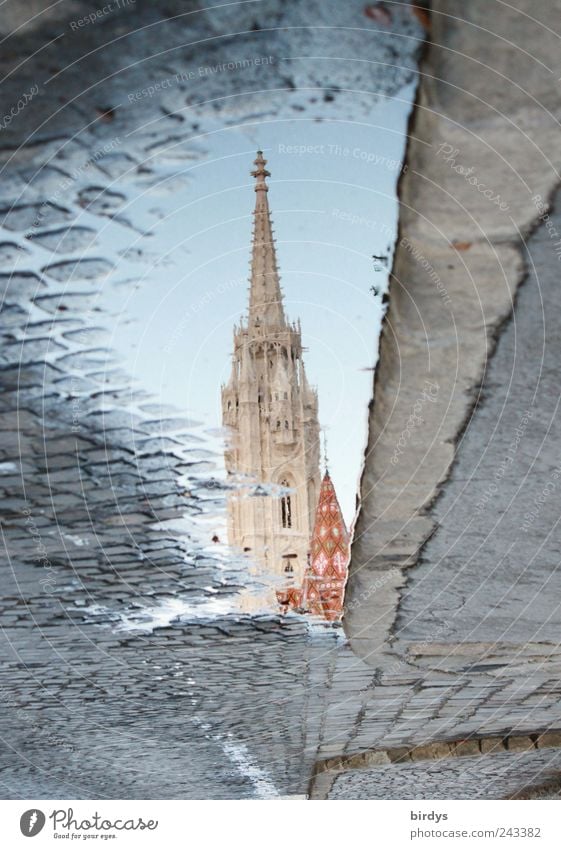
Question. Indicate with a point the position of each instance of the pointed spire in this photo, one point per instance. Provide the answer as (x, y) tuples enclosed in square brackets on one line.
[(323, 589), (265, 299), (325, 457), (233, 379)]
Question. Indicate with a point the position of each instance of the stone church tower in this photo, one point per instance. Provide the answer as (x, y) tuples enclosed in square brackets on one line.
[(272, 416)]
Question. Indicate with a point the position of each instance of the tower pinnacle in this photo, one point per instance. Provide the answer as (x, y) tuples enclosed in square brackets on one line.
[(260, 173), (325, 457), (323, 588)]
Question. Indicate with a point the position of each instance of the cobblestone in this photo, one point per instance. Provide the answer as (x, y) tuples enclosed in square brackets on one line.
[(494, 777)]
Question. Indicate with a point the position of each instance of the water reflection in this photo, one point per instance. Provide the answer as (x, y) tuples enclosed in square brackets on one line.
[(272, 415), (112, 206)]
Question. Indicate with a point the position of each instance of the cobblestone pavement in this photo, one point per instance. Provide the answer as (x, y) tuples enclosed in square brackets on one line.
[(125, 671), (454, 589), (120, 676), (477, 629), (476, 641), (500, 506), (493, 777)]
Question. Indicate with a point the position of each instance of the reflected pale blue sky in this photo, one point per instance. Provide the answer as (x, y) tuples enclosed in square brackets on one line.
[(333, 201)]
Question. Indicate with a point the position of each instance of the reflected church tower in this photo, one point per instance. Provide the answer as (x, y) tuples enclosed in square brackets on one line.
[(271, 413)]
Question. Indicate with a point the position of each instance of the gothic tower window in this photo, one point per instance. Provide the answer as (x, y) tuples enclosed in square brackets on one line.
[(286, 507)]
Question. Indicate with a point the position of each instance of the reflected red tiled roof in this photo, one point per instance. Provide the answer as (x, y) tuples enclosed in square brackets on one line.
[(323, 588)]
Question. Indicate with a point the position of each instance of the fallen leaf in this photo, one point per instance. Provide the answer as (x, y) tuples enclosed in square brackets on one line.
[(422, 16), (105, 114)]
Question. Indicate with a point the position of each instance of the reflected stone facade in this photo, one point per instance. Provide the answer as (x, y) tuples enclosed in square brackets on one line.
[(272, 416)]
